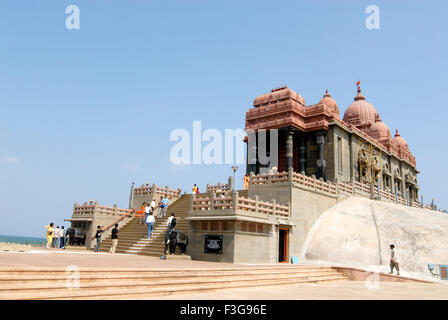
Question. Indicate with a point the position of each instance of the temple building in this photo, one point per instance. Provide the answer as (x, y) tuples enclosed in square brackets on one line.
[(314, 140)]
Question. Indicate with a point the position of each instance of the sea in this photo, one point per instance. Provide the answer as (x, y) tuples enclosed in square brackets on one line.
[(22, 240)]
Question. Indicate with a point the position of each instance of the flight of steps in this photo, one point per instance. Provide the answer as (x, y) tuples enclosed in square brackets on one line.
[(132, 236), (51, 283)]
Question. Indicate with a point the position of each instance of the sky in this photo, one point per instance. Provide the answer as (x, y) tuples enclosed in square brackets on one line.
[(85, 112)]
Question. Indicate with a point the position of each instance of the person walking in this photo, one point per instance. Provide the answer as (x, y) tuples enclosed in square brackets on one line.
[(114, 238), (62, 238), (150, 224), (153, 206), (50, 231), (394, 260), (55, 243), (171, 222), (159, 208), (165, 203), (141, 213), (99, 232), (147, 210)]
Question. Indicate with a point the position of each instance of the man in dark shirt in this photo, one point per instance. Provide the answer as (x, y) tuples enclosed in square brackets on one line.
[(114, 238), (98, 234)]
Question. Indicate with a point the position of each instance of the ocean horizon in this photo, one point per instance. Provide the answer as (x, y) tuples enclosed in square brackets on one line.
[(21, 240)]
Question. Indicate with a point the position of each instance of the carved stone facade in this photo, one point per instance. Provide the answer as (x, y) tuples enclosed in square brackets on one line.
[(313, 139)]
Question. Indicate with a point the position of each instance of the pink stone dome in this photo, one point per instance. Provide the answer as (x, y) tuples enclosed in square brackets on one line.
[(328, 100), (360, 113), (380, 131), (399, 140), (279, 94)]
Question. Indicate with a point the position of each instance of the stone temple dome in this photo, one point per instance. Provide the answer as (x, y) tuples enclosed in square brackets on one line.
[(360, 113), (279, 94), (379, 130), (399, 140), (329, 101)]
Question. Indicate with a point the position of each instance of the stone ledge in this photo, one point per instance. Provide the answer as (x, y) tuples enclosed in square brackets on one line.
[(6, 246)]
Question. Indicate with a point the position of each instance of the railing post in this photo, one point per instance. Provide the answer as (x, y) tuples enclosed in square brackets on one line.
[(256, 204), (95, 207), (251, 177), (208, 186), (290, 175), (212, 201), (273, 208), (193, 197), (115, 208), (289, 209), (235, 200)]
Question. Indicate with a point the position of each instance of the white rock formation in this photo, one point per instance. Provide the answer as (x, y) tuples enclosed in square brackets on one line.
[(358, 231)]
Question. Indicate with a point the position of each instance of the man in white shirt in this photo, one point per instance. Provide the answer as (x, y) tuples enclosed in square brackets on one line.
[(56, 235), (393, 260)]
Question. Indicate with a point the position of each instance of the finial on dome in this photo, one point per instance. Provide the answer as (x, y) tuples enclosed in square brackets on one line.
[(359, 96), (396, 133)]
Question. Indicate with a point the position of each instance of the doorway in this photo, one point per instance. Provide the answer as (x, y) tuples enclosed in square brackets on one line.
[(283, 245)]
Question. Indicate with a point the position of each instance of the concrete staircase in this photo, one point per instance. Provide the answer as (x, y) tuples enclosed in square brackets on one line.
[(132, 237), (51, 283)]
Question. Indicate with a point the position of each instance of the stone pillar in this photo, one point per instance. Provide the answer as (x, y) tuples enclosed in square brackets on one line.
[(321, 163), (289, 146), (252, 153), (302, 153), (131, 197)]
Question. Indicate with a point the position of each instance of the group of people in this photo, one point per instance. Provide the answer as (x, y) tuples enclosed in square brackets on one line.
[(114, 238), (56, 237)]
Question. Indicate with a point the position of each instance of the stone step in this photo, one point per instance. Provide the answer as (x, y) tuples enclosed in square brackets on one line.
[(131, 291), (99, 283)]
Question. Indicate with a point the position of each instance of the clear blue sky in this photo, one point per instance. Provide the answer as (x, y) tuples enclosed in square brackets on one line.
[(85, 112)]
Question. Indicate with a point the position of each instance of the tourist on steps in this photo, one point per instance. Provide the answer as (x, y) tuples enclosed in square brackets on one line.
[(99, 232), (165, 203), (394, 260), (147, 210), (114, 238), (171, 223), (141, 213), (50, 231), (159, 208), (195, 189), (150, 223), (153, 206)]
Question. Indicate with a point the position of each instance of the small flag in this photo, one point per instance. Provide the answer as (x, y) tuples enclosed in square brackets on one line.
[(357, 83)]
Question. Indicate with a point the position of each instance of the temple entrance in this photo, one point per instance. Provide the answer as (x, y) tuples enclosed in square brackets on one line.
[(283, 245)]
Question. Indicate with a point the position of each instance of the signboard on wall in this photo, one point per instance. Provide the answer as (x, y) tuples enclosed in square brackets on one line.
[(213, 244)]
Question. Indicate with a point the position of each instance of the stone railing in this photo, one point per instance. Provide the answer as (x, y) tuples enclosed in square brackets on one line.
[(147, 189), (213, 188), (331, 188), (92, 208), (236, 202)]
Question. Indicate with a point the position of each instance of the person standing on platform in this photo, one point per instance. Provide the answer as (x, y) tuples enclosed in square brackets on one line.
[(50, 231), (62, 238), (165, 203), (195, 189), (394, 260), (99, 232), (114, 238), (55, 243), (141, 213), (246, 182), (150, 223)]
